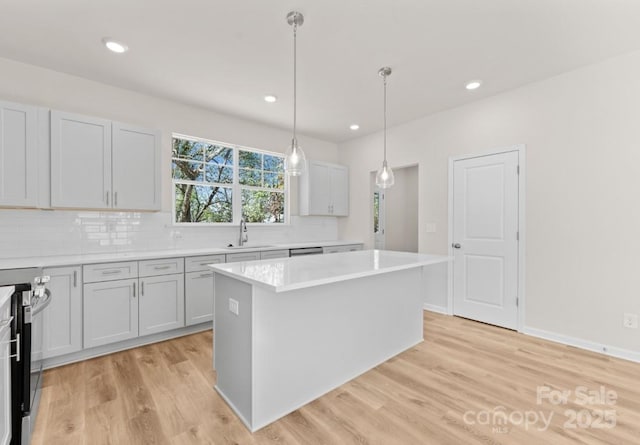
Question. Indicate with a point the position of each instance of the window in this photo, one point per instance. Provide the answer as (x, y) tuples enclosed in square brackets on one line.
[(207, 175)]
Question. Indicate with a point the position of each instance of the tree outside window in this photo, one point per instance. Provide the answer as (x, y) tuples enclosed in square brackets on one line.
[(207, 175)]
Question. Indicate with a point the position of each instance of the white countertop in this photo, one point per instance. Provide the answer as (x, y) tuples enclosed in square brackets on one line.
[(285, 274), (72, 260)]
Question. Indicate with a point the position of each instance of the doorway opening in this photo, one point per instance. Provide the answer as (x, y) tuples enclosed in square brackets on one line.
[(395, 212)]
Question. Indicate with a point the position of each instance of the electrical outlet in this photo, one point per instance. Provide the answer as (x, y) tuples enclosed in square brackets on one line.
[(630, 321), (430, 227), (234, 306)]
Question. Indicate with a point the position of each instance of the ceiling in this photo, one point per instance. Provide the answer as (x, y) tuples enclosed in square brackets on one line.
[(226, 55)]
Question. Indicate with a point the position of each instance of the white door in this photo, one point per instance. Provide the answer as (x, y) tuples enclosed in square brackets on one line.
[(161, 303), (63, 317), (378, 218), (110, 312), (339, 184), (136, 168), (80, 161), (485, 239), (18, 165), (198, 294), (319, 193)]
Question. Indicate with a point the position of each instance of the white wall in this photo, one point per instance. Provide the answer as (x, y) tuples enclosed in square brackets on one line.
[(38, 86), (401, 211), (582, 132)]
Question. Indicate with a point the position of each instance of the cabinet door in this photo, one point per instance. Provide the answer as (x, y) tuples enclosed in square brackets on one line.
[(339, 179), (80, 161), (63, 318), (319, 193), (110, 312), (18, 164), (198, 294), (161, 303), (136, 168), (5, 384)]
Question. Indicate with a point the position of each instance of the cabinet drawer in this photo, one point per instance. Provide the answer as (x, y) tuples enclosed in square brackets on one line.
[(164, 266), (244, 256), (198, 263), (109, 271), (270, 254)]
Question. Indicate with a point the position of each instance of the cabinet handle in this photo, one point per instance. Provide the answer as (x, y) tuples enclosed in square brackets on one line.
[(107, 198), (111, 272), (161, 267), (115, 199), (75, 278), (134, 290), (206, 275), (142, 288)]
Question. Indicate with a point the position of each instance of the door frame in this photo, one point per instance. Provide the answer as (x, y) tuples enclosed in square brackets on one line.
[(522, 180)]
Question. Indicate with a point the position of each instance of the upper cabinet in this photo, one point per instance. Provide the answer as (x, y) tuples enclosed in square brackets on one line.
[(18, 155), (324, 189), (99, 164), (135, 168)]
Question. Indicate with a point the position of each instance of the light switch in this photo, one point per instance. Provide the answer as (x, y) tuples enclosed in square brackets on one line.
[(430, 227)]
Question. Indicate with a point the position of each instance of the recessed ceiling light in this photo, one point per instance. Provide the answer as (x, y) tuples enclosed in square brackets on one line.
[(116, 47), (270, 98), (354, 127), (473, 85)]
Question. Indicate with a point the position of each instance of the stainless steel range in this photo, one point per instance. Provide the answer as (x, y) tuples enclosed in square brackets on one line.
[(29, 300)]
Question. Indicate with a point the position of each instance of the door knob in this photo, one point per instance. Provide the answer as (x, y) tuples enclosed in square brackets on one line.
[(456, 246)]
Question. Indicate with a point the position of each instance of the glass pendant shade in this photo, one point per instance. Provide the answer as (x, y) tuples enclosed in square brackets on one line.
[(295, 162), (384, 177)]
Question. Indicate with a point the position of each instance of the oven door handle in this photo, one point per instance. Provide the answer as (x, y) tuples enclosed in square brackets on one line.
[(42, 303)]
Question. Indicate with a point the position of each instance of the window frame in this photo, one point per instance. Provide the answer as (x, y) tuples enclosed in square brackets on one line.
[(235, 186)]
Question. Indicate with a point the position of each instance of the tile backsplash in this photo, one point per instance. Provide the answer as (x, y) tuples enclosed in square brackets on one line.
[(31, 233)]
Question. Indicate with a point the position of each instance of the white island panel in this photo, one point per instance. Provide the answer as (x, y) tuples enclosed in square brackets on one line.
[(308, 325)]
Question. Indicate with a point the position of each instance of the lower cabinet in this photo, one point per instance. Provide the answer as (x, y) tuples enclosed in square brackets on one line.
[(110, 312), (198, 287), (343, 248), (161, 303), (62, 321)]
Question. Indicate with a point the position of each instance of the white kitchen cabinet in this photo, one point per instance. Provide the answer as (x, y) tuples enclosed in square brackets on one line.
[(344, 248), (80, 161), (62, 321), (161, 303), (271, 254), (136, 168), (97, 164), (324, 189), (110, 312), (18, 155), (242, 256), (198, 288)]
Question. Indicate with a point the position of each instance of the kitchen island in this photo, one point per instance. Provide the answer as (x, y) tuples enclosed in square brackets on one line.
[(289, 330)]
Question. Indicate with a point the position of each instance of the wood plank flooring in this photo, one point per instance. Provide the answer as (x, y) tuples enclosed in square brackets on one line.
[(467, 383)]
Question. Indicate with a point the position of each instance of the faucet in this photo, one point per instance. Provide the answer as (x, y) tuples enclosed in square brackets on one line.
[(244, 236)]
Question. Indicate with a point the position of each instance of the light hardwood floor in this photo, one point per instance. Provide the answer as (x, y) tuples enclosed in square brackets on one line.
[(443, 391)]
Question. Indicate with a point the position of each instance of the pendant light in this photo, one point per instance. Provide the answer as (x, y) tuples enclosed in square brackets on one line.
[(295, 162), (384, 177)]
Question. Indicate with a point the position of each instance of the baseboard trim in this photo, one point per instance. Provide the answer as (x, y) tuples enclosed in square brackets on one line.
[(435, 308), (86, 354), (583, 344)]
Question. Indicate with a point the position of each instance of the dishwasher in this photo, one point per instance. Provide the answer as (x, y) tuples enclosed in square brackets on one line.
[(305, 251)]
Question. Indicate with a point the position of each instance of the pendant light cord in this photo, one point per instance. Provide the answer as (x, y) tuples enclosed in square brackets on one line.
[(295, 29), (385, 118)]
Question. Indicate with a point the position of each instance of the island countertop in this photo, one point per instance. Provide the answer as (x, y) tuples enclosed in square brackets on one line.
[(286, 274)]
